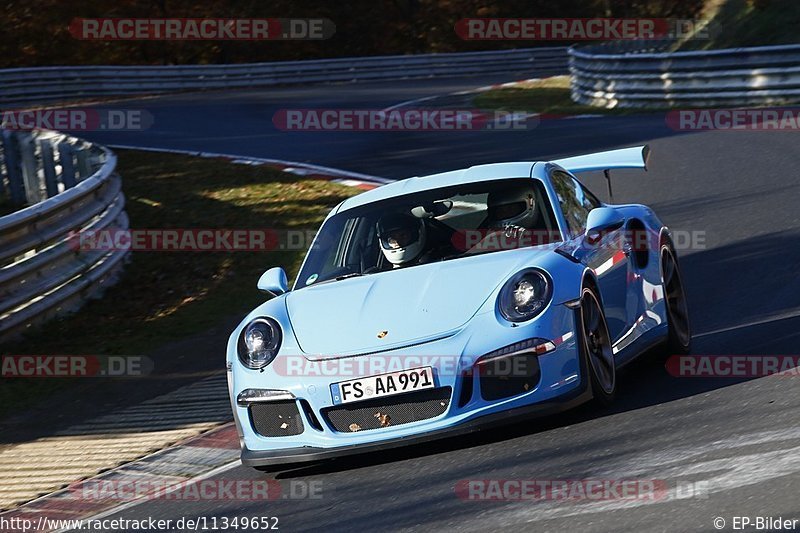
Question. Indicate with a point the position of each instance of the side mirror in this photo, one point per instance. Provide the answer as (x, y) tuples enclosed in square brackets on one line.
[(602, 220), (274, 281)]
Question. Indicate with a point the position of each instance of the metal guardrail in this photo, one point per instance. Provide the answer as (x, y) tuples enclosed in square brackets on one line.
[(42, 271), (645, 74), (34, 85)]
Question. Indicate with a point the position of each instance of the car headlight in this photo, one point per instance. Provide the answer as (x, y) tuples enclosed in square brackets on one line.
[(525, 295), (259, 343)]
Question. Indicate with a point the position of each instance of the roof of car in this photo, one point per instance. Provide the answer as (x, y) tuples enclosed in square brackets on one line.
[(475, 174)]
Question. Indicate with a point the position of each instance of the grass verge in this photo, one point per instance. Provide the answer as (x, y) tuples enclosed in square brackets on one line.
[(166, 296)]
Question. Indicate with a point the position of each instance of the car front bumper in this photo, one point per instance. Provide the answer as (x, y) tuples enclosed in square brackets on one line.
[(561, 385), (288, 456)]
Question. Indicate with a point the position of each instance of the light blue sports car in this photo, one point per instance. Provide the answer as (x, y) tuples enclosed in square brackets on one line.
[(438, 305)]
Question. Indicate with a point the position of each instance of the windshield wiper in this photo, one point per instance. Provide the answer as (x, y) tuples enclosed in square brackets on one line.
[(350, 275), (338, 278)]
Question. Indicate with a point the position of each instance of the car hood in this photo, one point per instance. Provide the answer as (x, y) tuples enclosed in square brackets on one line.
[(411, 305)]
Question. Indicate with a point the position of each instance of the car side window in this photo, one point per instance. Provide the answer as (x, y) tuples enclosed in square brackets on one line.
[(575, 201)]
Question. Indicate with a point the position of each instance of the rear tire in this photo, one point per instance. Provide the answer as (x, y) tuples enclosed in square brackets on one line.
[(601, 367)]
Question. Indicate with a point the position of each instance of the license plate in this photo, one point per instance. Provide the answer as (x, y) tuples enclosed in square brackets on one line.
[(382, 385)]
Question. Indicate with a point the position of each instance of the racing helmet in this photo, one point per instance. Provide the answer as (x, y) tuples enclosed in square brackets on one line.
[(512, 207), (402, 237)]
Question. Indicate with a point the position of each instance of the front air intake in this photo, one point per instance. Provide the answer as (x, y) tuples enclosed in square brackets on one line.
[(276, 419), (508, 376)]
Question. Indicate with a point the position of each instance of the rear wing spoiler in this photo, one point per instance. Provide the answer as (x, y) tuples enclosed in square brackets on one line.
[(635, 157)]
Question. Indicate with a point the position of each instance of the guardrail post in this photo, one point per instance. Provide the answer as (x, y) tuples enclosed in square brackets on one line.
[(3, 187), (49, 167), (33, 185), (84, 164), (67, 166), (15, 184)]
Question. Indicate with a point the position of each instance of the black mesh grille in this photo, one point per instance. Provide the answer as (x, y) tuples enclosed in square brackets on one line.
[(276, 419), (389, 411), (509, 376)]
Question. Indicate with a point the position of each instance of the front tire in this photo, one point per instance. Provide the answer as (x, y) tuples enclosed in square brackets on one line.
[(679, 338), (601, 366)]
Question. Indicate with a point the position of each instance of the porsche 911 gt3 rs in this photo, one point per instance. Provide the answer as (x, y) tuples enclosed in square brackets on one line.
[(438, 305)]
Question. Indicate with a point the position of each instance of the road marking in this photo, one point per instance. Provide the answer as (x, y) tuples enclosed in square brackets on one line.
[(292, 165)]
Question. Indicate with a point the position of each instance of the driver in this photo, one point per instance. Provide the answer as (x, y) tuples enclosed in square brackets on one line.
[(513, 210), (402, 238)]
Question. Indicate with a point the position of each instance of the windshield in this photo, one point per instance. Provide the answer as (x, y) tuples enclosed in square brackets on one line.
[(430, 226)]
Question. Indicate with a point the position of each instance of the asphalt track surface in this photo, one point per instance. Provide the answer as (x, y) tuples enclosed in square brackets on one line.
[(737, 440)]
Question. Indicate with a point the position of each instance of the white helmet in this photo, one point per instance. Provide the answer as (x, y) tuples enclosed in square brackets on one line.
[(512, 207), (402, 237)]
